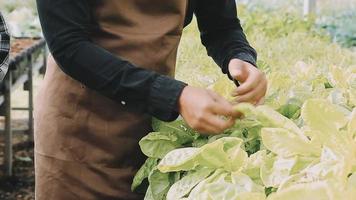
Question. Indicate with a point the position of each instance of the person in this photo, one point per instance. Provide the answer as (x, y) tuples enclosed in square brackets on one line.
[(4, 48), (110, 71)]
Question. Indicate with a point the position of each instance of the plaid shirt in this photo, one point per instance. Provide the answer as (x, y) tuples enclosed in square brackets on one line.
[(4, 48)]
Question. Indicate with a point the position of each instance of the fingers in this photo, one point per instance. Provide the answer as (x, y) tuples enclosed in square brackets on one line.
[(205, 111), (220, 106), (213, 120), (216, 125), (253, 88), (223, 107), (239, 72), (213, 124), (255, 95), (261, 101), (260, 98), (251, 82)]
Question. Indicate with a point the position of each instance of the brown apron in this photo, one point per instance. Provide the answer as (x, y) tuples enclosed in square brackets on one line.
[(86, 146)]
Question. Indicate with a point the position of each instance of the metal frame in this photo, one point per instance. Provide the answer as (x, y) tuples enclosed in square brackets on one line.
[(30, 60), (309, 7), (8, 130)]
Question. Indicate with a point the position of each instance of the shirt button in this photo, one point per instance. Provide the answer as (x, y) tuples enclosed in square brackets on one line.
[(123, 103)]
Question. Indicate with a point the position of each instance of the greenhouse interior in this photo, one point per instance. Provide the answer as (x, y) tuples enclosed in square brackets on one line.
[(178, 100)]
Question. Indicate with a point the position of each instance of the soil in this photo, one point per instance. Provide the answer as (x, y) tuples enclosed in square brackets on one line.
[(21, 185)]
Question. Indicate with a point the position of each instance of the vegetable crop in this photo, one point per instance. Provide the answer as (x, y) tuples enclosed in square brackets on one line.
[(265, 156), (301, 145)]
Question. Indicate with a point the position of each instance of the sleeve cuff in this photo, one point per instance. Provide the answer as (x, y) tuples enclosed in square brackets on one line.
[(163, 98), (246, 57)]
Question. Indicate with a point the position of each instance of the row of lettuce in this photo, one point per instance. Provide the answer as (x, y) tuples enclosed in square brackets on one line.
[(265, 156), (336, 18), (300, 145), (338, 23)]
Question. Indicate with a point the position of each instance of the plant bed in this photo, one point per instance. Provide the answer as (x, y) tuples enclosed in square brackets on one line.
[(21, 185), (18, 45)]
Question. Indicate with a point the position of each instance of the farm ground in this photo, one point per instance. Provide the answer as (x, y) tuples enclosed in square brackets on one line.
[(21, 185)]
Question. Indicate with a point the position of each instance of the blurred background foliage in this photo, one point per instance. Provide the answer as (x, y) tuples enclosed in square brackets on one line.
[(21, 17)]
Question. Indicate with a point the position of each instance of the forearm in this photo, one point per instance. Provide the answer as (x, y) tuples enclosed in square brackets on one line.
[(231, 44), (222, 34), (67, 25)]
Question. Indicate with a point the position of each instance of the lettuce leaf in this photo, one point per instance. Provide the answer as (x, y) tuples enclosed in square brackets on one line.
[(225, 153), (285, 143), (320, 115), (183, 187), (144, 172), (225, 185)]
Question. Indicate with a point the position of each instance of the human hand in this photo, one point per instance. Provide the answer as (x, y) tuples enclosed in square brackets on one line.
[(253, 82), (204, 111)]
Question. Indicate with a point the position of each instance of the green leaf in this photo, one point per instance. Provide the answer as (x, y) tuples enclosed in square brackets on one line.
[(222, 185), (160, 183), (329, 166), (270, 190), (158, 144), (352, 96), (178, 127), (285, 143), (312, 191), (276, 170), (339, 77), (328, 122), (269, 118), (149, 195), (246, 109), (199, 193), (187, 183), (144, 172), (291, 111), (245, 184), (352, 181), (236, 155), (216, 137), (253, 165), (223, 87), (248, 130), (352, 124), (169, 136), (223, 153), (302, 163), (320, 115), (351, 187), (179, 160), (199, 142)]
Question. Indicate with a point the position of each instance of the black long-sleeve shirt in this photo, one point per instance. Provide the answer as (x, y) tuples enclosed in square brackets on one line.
[(67, 25)]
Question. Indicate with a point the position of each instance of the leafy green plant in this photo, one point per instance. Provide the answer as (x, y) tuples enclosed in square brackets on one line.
[(341, 26), (293, 162), (301, 145)]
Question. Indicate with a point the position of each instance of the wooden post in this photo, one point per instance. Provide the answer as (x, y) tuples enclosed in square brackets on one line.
[(309, 7), (8, 129), (30, 97), (43, 68)]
